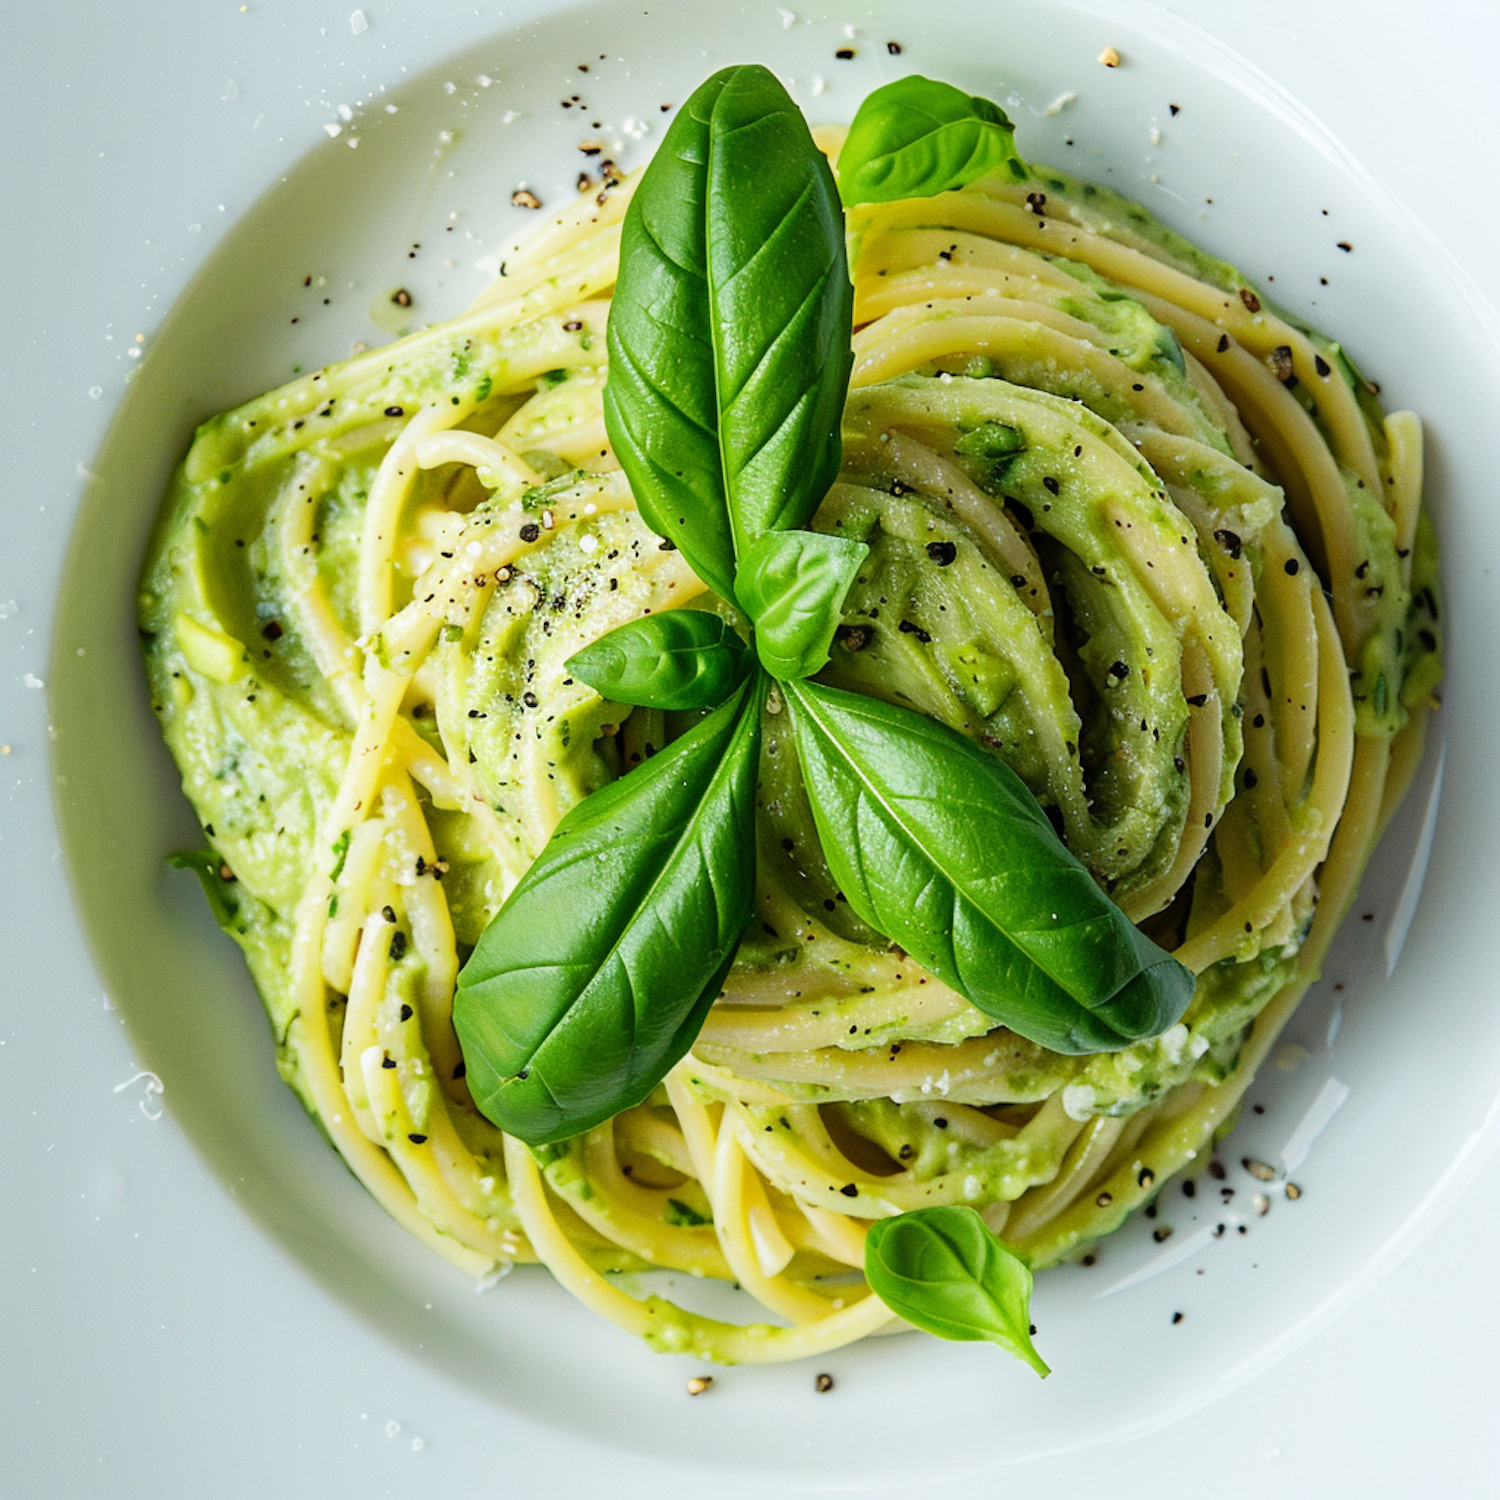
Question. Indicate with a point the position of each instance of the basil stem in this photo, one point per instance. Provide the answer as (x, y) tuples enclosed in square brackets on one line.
[(917, 137), (682, 659), (941, 1269), (792, 585), (940, 846), (595, 976), (729, 351)]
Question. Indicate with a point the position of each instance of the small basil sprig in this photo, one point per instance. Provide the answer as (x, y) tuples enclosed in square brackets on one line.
[(917, 137), (729, 351), (595, 976), (939, 845), (682, 659), (792, 584), (941, 1269)]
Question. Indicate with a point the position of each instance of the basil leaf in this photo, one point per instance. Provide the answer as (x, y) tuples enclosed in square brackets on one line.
[(917, 137), (792, 585), (594, 977), (729, 351), (941, 1269), (939, 845), (685, 658)]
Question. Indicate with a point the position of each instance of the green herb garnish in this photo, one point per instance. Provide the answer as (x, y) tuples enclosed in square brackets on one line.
[(729, 349), (917, 137), (941, 1269), (595, 976), (686, 658), (729, 340)]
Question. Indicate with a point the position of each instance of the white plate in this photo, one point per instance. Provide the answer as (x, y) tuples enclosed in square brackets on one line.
[(201, 1354)]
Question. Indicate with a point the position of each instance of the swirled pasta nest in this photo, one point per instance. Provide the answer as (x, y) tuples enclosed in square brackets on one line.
[(1149, 541)]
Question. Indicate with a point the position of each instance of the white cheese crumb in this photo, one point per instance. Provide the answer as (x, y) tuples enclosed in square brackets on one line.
[(1060, 103), (31, 680), (588, 544), (788, 17), (359, 23), (333, 130), (1078, 1101), (1155, 136), (10, 607)]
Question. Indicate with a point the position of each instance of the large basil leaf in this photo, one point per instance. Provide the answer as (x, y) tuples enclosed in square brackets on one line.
[(941, 1269), (917, 137), (595, 976), (684, 658), (729, 351), (940, 846), (792, 584)]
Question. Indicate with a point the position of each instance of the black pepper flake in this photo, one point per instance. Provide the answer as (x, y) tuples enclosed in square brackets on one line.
[(1322, 366), (825, 1382), (459, 1069), (1176, 109), (1037, 203), (1189, 1188), (853, 637), (387, 1061), (388, 913), (530, 531), (398, 947), (401, 297), (942, 553), (1145, 1177), (529, 699), (1345, 246), (1281, 362), (1198, 700), (1251, 779), (271, 630), (1292, 567), (416, 1138), (667, 545), (1119, 671), (844, 54), (1223, 344), (1176, 1318), (907, 628), (850, 1190), (1229, 541), (1105, 1199), (1217, 1170), (1051, 485), (1251, 301)]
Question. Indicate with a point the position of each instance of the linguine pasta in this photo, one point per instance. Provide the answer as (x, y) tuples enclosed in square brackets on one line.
[(1150, 541)]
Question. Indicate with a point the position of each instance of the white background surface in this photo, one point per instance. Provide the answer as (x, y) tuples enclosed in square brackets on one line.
[(132, 1363)]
